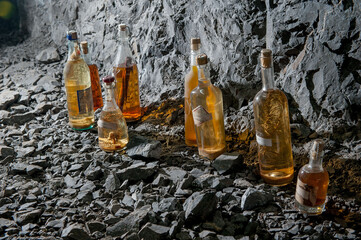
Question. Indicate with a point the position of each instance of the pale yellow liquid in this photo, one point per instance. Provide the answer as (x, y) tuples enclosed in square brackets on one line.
[(191, 82), (77, 78), (272, 123)]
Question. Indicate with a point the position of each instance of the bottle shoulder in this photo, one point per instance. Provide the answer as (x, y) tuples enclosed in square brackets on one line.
[(274, 95)]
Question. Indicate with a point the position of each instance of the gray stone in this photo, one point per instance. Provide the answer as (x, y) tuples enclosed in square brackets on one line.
[(22, 152), (18, 168), (21, 118), (175, 174), (94, 226), (48, 55), (25, 217), (112, 183), (141, 147), (228, 162), (8, 97), (48, 83), (56, 224), (136, 172), (43, 107), (6, 151), (75, 231), (34, 170), (253, 198), (199, 206), (153, 232)]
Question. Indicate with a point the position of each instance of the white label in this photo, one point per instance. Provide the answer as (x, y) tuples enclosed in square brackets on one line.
[(107, 125), (200, 115), (305, 193), (264, 141)]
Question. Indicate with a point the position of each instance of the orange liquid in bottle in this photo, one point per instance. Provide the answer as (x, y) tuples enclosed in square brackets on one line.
[(191, 82), (96, 88)]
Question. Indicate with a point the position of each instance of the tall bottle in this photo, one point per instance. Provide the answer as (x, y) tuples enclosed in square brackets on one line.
[(78, 87), (94, 77), (126, 75), (272, 128), (112, 128), (191, 82), (312, 182), (207, 110)]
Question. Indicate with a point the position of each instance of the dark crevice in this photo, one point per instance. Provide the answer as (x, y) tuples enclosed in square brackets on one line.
[(310, 87)]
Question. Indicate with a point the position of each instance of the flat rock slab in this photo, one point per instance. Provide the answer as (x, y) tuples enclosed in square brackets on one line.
[(199, 206), (8, 97), (48, 55), (141, 147), (253, 198), (75, 231), (153, 232), (229, 162)]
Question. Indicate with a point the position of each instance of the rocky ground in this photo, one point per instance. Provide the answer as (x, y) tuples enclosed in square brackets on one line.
[(57, 183)]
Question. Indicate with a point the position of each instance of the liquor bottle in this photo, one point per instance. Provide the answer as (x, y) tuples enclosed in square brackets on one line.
[(94, 77), (78, 87), (126, 75), (312, 182), (191, 82), (272, 125), (207, 110), (112, 128)]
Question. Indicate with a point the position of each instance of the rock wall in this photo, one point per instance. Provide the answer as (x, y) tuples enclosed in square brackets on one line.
[(316, 49)]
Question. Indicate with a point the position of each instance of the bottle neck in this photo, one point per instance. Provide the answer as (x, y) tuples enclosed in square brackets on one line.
[(194, 54), (267, 78), (203, 76), (109, 94), (86, 58), (71, 47), (316, 161)]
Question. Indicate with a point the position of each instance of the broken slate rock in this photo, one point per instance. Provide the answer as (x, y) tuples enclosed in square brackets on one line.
[(25, 217), (8, 97), (254, 198), (6, 151), (137, 172), (112, 183), (199, 205), (48, 55), (94, 226), (153, 232), (229, 162), (75, 231), (141, 147)]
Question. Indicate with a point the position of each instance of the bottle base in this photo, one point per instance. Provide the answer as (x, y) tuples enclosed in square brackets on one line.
[(277, 178), (315, 210), (211, 155), (191, 143), (82, 128)]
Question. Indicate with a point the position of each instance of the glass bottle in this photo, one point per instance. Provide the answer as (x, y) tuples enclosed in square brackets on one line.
[(207, 110), (191, 82), (272, 125), (312, 182), (126, 75), (78, 87), (112, 128), (94, 77)]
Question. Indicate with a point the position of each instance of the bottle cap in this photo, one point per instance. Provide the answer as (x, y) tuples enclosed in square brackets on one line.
[(84, 47), (202, 59), (317, 148), (266, 58), (195, 43), (108, 79), (72, 35), (122, 27)]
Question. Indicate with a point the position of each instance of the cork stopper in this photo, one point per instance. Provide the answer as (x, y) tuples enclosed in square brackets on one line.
[(72, 35), (84, 47), (266, 58), (317, 148), (195, 44), (122, 27), (202, 59), (108, 79)]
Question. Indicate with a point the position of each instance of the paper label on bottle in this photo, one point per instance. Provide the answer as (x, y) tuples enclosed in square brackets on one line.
[(305, 193), (264, 141), (107, 125), (85, 100), (201, 115)]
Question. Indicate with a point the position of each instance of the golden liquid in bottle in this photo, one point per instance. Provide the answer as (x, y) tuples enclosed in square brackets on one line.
[(112, 130), (127, 92), (79, 95), (210, 134), (96, 88), (191, 82), (273, 137)]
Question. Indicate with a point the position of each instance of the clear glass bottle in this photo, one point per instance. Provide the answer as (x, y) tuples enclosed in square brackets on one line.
[(272, 128), (191, 82), (94, 77), (78, 87), (127, 83), (207, 110), (112, 128), (312, 182)]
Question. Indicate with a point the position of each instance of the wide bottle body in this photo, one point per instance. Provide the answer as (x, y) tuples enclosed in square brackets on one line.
[(191, 82), (79, 94), (273, 137), (207, 110), (127, 90)]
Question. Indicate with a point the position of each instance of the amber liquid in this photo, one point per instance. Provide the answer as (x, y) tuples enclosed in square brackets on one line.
[(96, 88), (113, 136), (273, 137), (127, 92), (191, 82)]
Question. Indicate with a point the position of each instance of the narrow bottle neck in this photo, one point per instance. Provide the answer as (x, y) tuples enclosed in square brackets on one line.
[(203, 76), (87, 58), (109, 93), (194, 54), (71, 47), (267, 78), (316, 162)]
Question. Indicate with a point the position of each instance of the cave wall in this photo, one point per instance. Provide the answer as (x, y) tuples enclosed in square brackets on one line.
[(316, 47)]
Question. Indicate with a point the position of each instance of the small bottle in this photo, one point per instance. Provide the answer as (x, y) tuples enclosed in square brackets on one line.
[(126, 75), (312, 182), (272, 125), (112, 128), (78, 87), (191, 82), (94, 77), (207, 110)]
